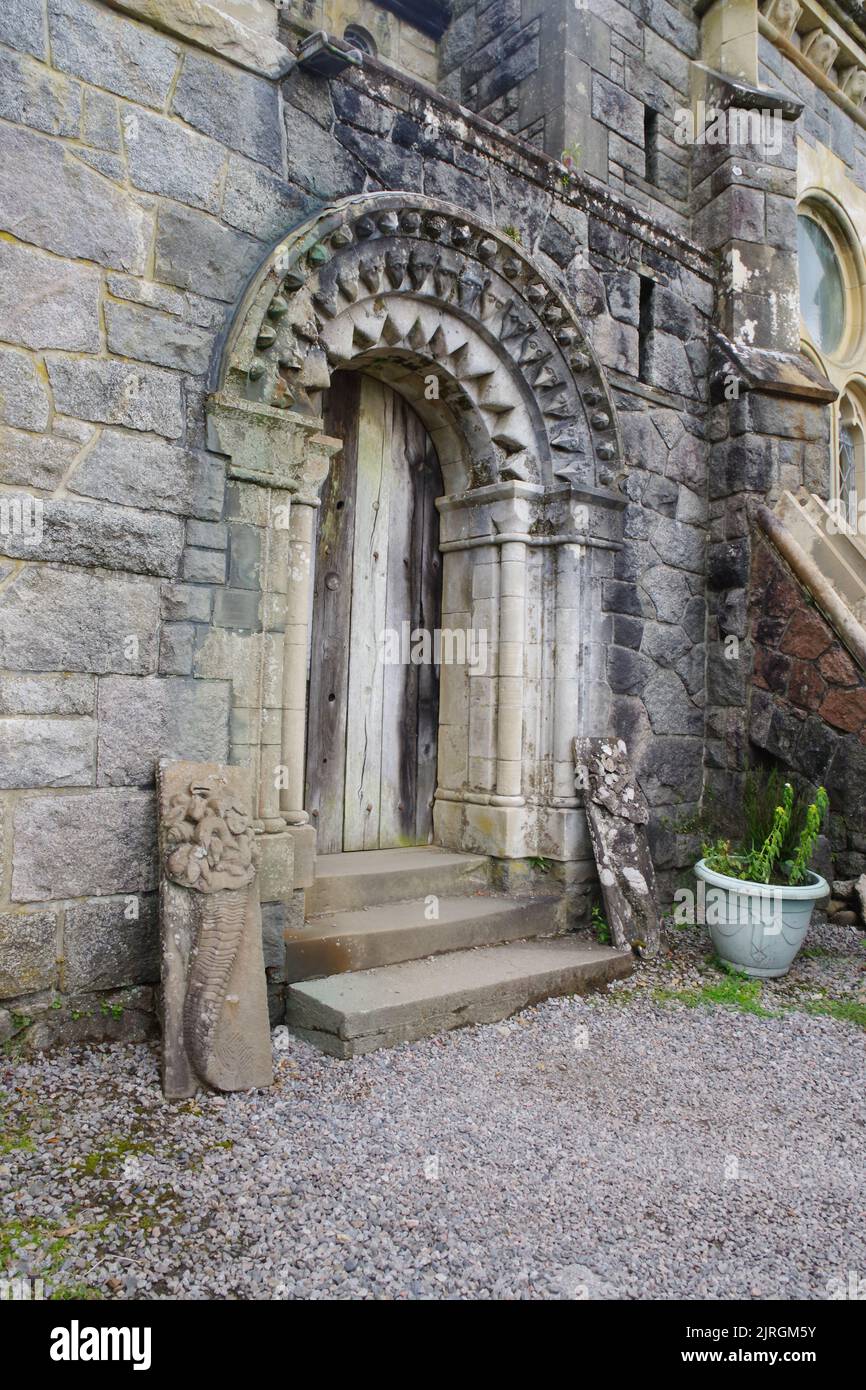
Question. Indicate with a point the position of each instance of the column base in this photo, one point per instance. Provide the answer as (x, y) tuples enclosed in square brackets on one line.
[(512, 832), (277, 867), (304, 838)]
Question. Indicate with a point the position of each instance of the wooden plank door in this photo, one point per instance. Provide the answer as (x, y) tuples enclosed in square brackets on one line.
[(372, 724)]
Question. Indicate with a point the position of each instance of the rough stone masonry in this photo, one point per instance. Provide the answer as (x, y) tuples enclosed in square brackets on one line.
[(161, 395)]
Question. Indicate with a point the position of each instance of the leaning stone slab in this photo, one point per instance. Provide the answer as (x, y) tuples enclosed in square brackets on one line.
[(216, 1030), (617, 814), (860, 895)]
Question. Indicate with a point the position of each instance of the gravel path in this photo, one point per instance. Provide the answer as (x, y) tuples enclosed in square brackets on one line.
[(624, 1145)]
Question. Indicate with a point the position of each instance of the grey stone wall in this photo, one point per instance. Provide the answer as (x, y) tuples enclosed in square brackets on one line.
[(823, 122), (604, 76), (142, 181), (139, 189)]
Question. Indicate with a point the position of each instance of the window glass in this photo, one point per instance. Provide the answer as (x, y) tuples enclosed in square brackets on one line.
[(851, 459), (359, 38), (822, 292)]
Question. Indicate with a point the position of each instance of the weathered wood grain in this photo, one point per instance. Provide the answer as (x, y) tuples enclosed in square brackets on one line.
[(371, 752), (332, 609), (369, 608)]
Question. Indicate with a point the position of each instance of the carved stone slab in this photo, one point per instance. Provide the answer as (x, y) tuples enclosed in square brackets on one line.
[(215, 1010), (617, 813)]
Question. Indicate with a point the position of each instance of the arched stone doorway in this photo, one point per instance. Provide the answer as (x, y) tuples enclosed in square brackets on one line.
[(455, 318)]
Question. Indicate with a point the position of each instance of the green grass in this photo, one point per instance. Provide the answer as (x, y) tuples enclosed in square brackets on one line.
[(848, 1010), (730, 992), (11, 1139), (600, 926), (103, 1163), (51, 1249)]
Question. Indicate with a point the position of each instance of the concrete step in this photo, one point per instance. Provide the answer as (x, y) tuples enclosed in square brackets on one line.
[(393, 932), (349, 1014), (367, 878)]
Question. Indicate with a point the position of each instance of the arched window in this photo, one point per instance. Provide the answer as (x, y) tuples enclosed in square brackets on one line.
[(358, 37), (831, 282), (851, 477), (822, 288)]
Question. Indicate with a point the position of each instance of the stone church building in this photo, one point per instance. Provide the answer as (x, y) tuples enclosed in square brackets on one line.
[(392, 392)]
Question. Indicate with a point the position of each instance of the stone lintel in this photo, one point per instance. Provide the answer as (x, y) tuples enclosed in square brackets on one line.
[(210, 28)]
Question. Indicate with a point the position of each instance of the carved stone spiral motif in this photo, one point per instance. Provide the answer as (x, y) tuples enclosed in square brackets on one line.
[(209, 842), (390, 281)]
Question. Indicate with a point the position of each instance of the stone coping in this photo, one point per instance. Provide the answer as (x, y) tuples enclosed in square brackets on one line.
[(201, 24), (777, 373), (381, 82), (207, 27)]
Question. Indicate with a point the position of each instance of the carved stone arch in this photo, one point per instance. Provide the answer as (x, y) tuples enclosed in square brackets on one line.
[(407, 286), (413, 290)]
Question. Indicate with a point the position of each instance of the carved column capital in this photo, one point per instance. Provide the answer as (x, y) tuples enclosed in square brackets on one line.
[(270, 447)]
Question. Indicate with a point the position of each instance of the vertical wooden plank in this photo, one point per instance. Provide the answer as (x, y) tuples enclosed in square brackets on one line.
[(369, 595), (429, 611), (400, 681), (410, 705), (332, 607)]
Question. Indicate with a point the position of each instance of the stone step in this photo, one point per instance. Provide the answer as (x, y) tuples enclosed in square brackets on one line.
[(393, 932), (347, 1015), (367, 878)]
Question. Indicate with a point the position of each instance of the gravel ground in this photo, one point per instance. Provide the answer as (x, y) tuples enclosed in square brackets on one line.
[(627, 1145)]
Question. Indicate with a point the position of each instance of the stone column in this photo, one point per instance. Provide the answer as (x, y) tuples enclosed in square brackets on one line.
[(283, 456), (301, 529), (271, 667), (512, 623), (484, 584), (566, 700)]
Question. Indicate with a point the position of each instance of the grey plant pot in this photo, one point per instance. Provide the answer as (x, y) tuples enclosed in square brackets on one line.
[(759, 928)]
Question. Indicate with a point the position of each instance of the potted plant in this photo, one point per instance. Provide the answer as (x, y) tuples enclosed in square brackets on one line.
[(759, 897)]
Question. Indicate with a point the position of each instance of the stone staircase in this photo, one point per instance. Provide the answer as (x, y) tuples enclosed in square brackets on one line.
[(839, 556), (403, 944)]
